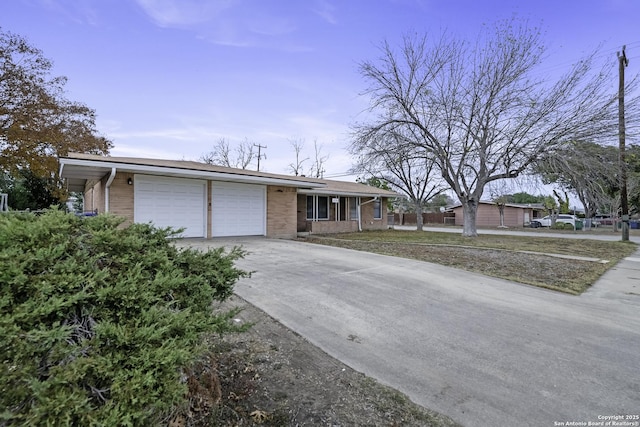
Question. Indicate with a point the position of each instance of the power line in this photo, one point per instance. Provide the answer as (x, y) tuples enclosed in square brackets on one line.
[(565, 64)]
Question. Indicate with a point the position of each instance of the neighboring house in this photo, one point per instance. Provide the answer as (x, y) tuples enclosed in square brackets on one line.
[(215, 201), (488, 215)]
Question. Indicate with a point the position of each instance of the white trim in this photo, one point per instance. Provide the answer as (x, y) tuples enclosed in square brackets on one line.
[(314, 205), (323, 191), (356, 201), (107, 187), (189, 173)]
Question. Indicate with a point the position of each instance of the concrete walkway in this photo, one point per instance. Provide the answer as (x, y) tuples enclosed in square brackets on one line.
[(484, 351)]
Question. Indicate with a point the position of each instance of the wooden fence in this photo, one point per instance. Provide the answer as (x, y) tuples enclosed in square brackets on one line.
[(439, 218)]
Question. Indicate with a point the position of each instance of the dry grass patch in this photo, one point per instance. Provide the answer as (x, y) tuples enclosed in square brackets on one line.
[(524, 259), (271, 376)]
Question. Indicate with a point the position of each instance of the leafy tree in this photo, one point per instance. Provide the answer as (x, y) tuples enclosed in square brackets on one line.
[(524, 197), (479, 109), (28, 191), (37, 123), (99, 324), (633, 172), (587, 169), (440, 200), (551, 207), (78, 202), (373, 181)]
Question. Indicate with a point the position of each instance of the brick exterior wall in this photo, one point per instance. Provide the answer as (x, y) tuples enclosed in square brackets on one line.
[(328, 227), (488, 215), (281, 211), (366, 212), (301, 210), (345, 226), (121, 196)]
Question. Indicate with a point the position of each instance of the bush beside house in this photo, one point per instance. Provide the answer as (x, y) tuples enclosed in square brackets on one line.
[(99, 324)]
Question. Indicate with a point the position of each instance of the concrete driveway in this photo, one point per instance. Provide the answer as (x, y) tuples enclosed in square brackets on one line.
[(484, 351)]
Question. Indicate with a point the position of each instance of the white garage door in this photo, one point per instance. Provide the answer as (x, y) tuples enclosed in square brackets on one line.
[(171, 202), (238, 209)]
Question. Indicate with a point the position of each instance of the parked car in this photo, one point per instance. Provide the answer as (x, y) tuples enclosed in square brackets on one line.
[(561, 218), (604, 220)]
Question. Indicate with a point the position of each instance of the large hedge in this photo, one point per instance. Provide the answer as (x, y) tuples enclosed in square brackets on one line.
[(99, 322)]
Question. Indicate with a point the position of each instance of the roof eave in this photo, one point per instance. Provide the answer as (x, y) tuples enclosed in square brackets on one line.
[(329, 191), (67, 165)]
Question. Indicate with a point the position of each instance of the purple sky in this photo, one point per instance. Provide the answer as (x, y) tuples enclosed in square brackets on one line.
[(168, 78)]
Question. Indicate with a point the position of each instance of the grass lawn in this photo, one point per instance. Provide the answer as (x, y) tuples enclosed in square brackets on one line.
[(524, 259)]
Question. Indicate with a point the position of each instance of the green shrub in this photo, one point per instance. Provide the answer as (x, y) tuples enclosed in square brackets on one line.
[(99, 322)]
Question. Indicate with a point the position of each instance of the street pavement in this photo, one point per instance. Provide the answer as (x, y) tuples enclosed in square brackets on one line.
[(634, 236), (484, 351)]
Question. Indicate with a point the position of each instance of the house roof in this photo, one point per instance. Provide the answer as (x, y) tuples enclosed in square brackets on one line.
[(511, 205), (345, 188), (78, 168)]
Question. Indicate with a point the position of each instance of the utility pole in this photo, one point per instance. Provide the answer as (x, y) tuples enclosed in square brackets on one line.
[(260, 155), (624, 204)]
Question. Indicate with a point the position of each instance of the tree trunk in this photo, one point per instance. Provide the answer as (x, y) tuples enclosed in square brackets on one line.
[(469, 209), (419, 219)]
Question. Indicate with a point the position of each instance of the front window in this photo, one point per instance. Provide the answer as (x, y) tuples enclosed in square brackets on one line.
[(317, 207), (323, 207), (353, 208), (310, 207), (377, 209)]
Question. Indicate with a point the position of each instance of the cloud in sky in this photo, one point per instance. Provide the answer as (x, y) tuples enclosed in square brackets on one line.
[(325, 10), (81, 13), (184, 13), (238, 23)]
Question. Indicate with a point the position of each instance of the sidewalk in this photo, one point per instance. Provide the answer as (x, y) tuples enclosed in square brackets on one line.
[(621, 282), (524, 232)]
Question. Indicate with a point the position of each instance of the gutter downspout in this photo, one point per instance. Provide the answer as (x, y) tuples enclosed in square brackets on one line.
[(360, 212), (106, 189)]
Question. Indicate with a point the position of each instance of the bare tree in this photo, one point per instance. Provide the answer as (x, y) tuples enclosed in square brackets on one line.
[(222, 154), (296, 167), (411, 172), (480, 111), (245, 154), (319, 160)]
